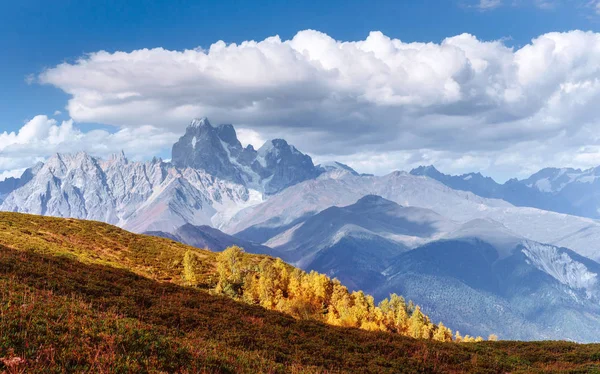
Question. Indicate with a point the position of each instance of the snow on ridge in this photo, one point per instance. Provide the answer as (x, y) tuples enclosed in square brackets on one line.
[(254, 181), (560, 265), (544, 185), (128, 194), (198, 122), (587, 179)]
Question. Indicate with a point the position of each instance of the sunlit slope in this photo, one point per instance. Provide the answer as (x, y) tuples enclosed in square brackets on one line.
[(92, 242)]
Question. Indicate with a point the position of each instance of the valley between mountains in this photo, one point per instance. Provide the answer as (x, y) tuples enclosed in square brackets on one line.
[(519, 260)]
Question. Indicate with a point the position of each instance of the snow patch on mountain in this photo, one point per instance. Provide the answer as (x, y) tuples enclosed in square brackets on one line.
[(560, 266), (139, 196), (336, 169), (231, 207), (543, 185)]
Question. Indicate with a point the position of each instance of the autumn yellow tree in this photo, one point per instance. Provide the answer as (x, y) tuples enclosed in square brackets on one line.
[(268, 287), (457, 337), (190, 263), (400, 313), (442, 333), (416, 323), (296, 303), (339, 305), (230, 271)]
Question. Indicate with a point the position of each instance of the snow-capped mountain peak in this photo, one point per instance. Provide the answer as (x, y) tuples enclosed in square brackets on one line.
[(336, 169), (218, 151), (200, 122), (118, 157)]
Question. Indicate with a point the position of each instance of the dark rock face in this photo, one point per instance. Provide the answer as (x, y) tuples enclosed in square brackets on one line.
[(285, 165), (228, 135), (217, 150), (202, 148)]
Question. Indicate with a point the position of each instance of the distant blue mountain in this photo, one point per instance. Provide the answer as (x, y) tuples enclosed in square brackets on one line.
[(354, 243), (516, 293), (206, 237), (580, 188), (531, 192)]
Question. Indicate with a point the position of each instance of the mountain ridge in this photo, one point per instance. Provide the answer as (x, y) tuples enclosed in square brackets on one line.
[(293, 205), (135, 195), (210, 177), (561, 190)]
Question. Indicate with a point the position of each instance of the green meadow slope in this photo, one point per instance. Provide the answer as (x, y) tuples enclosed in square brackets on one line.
[(81, 296)]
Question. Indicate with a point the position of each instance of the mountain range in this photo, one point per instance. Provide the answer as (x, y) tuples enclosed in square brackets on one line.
[(566, 190), (210, 177), (519, 259)]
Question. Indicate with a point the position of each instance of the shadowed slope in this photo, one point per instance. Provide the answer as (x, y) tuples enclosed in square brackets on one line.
[(210, 238)]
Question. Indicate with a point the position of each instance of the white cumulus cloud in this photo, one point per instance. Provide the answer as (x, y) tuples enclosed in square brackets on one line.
[(249, 136), (461, 96), (16, 173), (43, 136)]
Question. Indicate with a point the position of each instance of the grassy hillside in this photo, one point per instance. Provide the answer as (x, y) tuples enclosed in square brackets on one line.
[(86, 296), (93, 242)]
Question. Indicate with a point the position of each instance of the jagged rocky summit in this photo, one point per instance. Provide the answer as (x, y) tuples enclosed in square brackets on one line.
[(275, 166)]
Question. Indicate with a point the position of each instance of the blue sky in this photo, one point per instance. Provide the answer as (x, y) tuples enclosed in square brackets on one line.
[(39, 35)]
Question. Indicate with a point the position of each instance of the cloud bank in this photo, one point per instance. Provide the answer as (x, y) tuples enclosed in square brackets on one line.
[(378, 103), (43, 136)]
